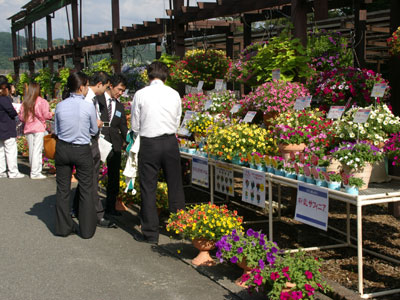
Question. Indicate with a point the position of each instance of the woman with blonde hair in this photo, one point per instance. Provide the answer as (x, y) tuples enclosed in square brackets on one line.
[(8, 134), (34, 113)]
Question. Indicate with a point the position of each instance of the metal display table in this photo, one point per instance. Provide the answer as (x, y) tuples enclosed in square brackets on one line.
[(375, 194)]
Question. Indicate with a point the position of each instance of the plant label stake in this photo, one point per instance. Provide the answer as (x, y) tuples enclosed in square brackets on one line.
[(361, 116), (335, 112), (302, 102), (378, 91), (276, 74), (249, 116), (200, 85)]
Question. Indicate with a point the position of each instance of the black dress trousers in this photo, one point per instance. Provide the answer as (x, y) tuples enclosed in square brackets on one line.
[(80, 156), (114, 166), (154, 154), (95, 186)]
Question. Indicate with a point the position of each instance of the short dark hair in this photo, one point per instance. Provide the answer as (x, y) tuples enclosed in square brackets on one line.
[(158, 70), (117, 79), (99, 76), (3, 81)]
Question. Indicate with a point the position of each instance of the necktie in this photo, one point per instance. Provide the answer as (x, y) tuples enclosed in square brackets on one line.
[(109, 108)]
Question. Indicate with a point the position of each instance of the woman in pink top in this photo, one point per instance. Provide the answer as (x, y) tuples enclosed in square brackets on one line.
[(34, 113)]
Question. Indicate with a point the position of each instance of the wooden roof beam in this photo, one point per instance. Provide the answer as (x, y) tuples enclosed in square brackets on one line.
[(207, 5)]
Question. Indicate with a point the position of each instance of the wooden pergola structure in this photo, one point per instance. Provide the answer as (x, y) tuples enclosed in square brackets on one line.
[(183, 22)]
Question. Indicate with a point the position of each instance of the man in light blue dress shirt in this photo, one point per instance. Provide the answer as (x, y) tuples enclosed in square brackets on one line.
[(75, 123)]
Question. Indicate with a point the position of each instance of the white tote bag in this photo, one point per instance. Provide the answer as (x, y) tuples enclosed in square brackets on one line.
[(105, 148)]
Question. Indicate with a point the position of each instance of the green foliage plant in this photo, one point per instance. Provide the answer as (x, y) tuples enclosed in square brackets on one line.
[(46, 82)]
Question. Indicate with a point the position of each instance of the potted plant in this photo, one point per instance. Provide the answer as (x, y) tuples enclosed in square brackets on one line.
[(204, 224), (200, 124), (335, 181), (357, 159), (293, 276), (352, 184), (249, 250), (194, 102), (290, 170), (394, 43), (392, 148), (380, 124)]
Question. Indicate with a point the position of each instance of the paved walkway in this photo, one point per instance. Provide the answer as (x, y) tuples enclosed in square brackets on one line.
[(35, 264)]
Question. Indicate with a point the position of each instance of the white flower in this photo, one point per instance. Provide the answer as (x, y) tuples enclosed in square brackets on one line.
[(352, 135), (366, 125), (385, 122), (357, 159)]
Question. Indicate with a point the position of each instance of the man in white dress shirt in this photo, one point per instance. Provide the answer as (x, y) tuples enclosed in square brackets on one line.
[(156, 114)]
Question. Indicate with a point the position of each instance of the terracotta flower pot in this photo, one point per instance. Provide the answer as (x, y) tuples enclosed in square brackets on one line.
[(364, 173), (286, 149), (288, 288), (204, 246), (246, 270)]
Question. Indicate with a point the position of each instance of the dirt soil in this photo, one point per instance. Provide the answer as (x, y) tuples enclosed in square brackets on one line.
[(381, 233)]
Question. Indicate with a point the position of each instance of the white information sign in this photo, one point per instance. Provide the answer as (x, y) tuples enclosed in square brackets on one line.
[(276, 74), (302, 102), (182, 129), (208, 104), (224, 180), (378, 90), (312, 206), (235, 108), (200, 85), (253, 191), (17, 106), (219, 84), (249, 116), (200, 171), (361, 116), (335, 112)]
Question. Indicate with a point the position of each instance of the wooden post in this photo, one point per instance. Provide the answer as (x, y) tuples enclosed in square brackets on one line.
[(360, 26), (394, 79), (15, 52), (229, 44), (49, 42), (320, 10), (116, 43), (179, 29), (77, 50), (246, 31), (158, 49), (299, 20), (29, 47)]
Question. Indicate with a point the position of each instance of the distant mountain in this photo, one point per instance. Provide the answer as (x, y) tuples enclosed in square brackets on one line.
[(6, 48)]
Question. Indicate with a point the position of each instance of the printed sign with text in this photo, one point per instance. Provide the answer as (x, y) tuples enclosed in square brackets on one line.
[(253, 190), (224, 180), (335, 112), (200, 171)]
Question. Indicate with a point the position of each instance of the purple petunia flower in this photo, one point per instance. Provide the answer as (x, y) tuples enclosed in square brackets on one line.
[(234, 259), (250, 232), (239, 250)]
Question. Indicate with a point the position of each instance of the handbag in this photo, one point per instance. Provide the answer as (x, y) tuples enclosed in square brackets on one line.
[(49, 142)]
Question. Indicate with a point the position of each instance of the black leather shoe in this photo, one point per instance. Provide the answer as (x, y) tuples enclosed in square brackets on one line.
[(106, 223), (141, 239)]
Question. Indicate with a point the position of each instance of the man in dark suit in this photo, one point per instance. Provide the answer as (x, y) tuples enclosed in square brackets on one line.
[(115, 129)]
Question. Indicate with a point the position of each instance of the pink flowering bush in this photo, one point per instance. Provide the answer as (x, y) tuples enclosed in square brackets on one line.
[(392, 148), (337, 86), (278, 96), (296, 127), (293, 276), (194, 102)]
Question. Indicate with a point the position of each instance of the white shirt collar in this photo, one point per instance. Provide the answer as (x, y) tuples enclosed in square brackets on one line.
[(156, 81), (90, 95), (107, 95)]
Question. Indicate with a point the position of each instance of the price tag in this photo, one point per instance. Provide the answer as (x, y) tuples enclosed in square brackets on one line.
[(378, 90), (361, 116), (276, 74), (249, 116), (302, 102), (335, 112), (235, 108), (200, 85), (312, 206), (219, 84), (208, 104)]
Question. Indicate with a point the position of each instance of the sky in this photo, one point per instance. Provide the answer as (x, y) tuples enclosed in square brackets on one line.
[(96, 15)]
